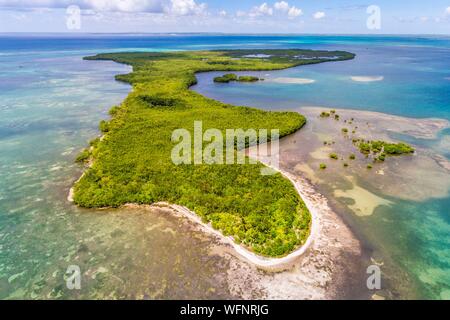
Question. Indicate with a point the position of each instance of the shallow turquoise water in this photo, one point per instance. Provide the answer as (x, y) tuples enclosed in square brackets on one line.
[(50, 105), (49, 110)]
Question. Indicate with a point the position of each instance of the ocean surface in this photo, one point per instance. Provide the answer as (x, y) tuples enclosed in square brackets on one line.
[(51, 102)]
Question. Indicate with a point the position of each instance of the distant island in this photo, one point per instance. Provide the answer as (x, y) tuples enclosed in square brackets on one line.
[(131, 163)]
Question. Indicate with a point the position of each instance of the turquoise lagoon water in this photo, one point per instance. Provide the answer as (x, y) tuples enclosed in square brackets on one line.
[(51, 102)]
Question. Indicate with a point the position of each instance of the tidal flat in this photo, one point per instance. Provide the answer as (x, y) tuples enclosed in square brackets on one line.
[(360, 194)]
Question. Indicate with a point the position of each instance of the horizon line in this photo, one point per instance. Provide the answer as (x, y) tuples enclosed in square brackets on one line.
[(225, 33)]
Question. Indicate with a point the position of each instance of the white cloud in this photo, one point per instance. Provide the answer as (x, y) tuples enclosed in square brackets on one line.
[(281, 6), (223, 13), (99, 5), (187, 7), (447, 11), (319, 15), (175, 7), (294, 12), (266, 10), (262, 10)]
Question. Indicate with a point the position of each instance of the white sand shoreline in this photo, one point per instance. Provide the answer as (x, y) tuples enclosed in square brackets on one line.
[(242, 252)]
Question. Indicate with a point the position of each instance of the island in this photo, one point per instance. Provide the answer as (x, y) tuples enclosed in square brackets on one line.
[(226, 78), (131, 163)]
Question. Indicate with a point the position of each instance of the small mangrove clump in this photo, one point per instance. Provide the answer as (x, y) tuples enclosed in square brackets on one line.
[(248, 79), (226, 78), (376, 147), (333, 156)]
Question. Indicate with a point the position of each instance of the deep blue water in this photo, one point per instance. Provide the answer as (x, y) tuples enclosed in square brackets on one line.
[(51, 101), (416, 70)]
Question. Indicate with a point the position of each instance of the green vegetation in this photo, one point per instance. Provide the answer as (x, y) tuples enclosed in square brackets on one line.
[(322, 166), (294, 56), (226, 78), (333, 156), (113, 110), (248, 79), (94, 142), (345, 164), (132, 163), (385, 148), (369, 166), (344, 130), (397, 148), (352, 157), (84, 156), (104, 126), (325, 114), (382, 156)]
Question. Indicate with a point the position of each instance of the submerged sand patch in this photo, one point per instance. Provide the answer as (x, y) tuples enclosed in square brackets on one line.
[(367, 78), (292, 80), (322, 153), (308, 171), (365, 202)]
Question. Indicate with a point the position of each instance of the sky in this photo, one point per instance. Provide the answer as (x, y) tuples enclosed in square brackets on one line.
[(227, 16)]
